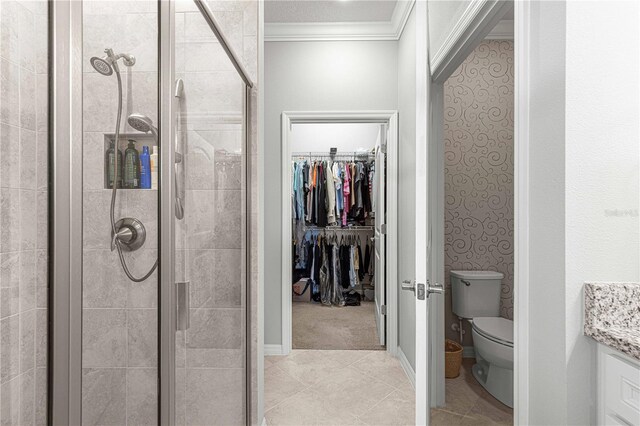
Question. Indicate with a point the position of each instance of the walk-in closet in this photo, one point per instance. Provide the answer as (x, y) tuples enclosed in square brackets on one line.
[(337, 175)]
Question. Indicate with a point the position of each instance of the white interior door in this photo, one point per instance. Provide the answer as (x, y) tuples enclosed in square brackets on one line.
[(420, 280), (380, 238)]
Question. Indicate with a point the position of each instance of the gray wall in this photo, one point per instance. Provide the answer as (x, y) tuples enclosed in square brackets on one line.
[(584, 190), (308, 76), (602, 174), (407, 183), (23, 212)]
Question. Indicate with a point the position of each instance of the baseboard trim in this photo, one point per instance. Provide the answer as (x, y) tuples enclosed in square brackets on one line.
[(406, 366), (273, 350), (468, 352)]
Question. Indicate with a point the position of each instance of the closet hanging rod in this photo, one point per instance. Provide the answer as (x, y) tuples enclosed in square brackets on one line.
[(324, 154), (317, 155), (341, 228)]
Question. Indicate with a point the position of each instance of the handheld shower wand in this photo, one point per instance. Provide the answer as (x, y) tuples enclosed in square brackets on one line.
[(128, 233)]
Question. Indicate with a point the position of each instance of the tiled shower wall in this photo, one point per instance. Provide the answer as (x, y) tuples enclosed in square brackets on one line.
[(120, 317), (23, 212), (119, 365), (478, 130)]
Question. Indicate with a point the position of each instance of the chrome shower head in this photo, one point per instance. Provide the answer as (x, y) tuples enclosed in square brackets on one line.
[(142, 123), (102, 65), (106, 65)]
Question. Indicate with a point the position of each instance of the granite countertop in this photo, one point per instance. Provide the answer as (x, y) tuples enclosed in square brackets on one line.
[(612, 315)]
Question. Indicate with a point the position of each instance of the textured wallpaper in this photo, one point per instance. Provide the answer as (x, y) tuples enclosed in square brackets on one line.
[(478, 131)]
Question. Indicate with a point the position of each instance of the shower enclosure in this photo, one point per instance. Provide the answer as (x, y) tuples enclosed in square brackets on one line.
[(151, 297)]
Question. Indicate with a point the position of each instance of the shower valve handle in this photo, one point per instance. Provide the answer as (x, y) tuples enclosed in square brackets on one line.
[(130, 234), (124, 235)]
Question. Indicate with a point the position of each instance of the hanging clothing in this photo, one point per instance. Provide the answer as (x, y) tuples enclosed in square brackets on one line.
[(333, 268), (337, 176), (331, 196), (337, 295), (367, 258), (346, 190), (321, 219), (328, 193), (361, 269), (325, 284)]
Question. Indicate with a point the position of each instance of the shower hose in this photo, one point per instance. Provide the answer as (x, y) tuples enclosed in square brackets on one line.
[(114, 192)]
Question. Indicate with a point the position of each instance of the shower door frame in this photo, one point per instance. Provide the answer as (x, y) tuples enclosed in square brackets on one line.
[(64, 399), (167, 315), (167, 294), (64, 381)]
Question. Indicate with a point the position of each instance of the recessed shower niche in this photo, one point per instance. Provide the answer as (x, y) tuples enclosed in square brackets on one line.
[(127, 140)]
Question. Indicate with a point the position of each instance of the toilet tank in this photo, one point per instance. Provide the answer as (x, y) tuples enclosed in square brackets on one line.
[(476, 293)]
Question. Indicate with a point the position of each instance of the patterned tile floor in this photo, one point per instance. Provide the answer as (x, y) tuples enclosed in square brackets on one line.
[(318, 387)]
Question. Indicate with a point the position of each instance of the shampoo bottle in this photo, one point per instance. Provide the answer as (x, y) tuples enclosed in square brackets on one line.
[(145, 169), (131, 166), (110, 166), (153, 161)]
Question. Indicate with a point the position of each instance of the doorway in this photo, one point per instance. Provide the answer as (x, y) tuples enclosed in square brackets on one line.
[(474, 204), (314, 372), (478, 231), (366, 142), (338, 175)]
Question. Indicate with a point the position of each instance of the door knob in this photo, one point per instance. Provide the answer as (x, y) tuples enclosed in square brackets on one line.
[(409, 285), (422, 290), (434, 288)]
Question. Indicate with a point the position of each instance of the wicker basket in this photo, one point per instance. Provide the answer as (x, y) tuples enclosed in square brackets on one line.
[(452, 359)]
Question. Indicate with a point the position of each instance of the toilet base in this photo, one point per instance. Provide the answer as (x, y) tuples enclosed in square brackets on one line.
[(497, 381)]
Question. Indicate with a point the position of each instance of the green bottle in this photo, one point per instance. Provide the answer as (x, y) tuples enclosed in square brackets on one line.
[(110, 165), (131, 166)]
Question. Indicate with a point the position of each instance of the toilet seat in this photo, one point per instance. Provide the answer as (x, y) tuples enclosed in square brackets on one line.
[(496, 329)]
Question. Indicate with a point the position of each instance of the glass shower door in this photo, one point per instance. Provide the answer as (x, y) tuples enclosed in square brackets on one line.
[(120, 314), (157, 315), (211, 360)]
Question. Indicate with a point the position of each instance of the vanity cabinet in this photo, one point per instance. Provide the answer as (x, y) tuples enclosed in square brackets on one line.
[(618, 388)]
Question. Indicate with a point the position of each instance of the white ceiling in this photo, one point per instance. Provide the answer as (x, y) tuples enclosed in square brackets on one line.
[(328, 11)]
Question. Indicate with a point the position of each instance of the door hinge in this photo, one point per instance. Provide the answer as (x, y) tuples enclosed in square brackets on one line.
[(383, 309), (383, 229)]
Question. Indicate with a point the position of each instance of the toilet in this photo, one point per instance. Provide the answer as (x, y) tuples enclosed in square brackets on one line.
[(476, 298)]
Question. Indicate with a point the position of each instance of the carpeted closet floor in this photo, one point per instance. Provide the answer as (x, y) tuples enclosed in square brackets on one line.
[(316, 326)]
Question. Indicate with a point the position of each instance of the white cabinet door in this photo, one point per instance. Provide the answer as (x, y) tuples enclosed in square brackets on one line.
[(622, 389), (618, 388)]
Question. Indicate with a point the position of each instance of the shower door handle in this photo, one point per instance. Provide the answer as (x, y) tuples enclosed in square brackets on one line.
[(183, 320)]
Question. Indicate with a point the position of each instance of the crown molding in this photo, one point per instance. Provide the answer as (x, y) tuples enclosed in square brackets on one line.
[(341, 31), (475, 23), (502, 31)]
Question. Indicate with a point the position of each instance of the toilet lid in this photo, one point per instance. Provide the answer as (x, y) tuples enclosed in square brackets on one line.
[(495, 328)]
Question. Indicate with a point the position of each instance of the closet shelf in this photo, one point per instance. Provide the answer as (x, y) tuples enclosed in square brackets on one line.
[(356, 155)]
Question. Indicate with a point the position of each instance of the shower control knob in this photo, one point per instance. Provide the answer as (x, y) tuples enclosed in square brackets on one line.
[(130, 234)]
